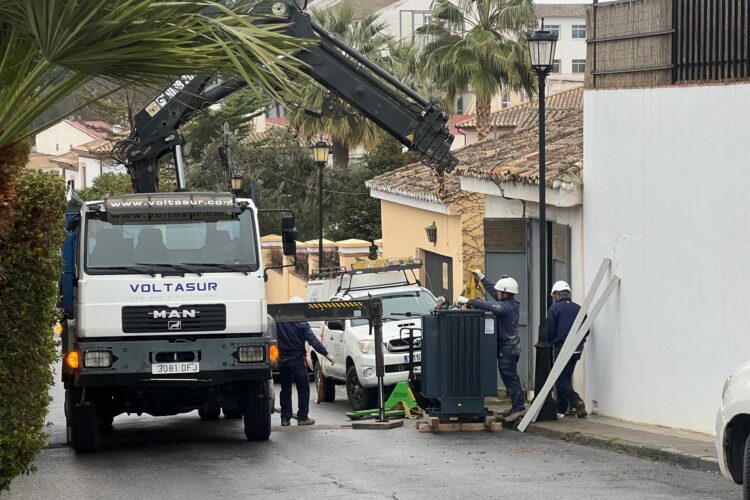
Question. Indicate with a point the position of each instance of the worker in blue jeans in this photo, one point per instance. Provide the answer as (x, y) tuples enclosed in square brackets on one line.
[(560, 318), (291, 338), (506, 311)]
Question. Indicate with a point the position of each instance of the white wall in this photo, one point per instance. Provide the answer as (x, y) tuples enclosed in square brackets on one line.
[(667, 178), (391, 15), (59, 138)]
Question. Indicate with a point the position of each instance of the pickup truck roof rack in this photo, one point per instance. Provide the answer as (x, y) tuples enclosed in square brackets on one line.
[(327, 273), (380, 266)]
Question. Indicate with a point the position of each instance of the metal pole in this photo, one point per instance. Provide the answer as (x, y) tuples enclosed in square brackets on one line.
[(543, 348), (320, 215), (376, 311)]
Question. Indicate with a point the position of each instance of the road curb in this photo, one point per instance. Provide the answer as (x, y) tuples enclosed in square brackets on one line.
[(679, 457)]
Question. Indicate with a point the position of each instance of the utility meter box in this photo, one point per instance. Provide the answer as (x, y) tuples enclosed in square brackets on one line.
[(459, 362)]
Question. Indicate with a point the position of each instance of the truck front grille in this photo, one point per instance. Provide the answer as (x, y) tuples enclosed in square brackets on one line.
[(187, 318)]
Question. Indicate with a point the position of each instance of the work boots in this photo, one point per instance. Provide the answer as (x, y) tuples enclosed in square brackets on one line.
[(307, 421), (581, 409), (285, 422), (514, 415)]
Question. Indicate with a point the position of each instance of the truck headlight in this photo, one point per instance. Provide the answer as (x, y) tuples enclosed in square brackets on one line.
[(367, 346), (726, 386), (250, 354), (97, 359)]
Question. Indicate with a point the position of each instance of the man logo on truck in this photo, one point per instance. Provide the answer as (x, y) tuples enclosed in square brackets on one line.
[(174, 313)]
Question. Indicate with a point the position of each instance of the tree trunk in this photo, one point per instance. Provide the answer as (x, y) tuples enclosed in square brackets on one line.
[(483, 117), (340, 154), (13, 159)]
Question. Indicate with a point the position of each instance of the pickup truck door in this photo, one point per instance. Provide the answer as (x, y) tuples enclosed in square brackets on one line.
[(334, 342)]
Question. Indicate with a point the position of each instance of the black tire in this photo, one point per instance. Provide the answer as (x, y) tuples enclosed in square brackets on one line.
[(68, 416), (231, 413), (360, 398), (746, 470), (105, 423), (85, 432), (326, 386), (257, 421), (209, 413)]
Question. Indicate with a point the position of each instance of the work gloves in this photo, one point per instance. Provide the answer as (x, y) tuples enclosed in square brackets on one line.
[(462, 301), (479, 275), (330, 359)]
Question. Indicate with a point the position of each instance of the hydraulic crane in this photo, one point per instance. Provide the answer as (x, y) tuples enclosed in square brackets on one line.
[(419, 124)]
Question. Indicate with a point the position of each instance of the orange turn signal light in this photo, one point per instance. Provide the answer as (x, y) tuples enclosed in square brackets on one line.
[(72, 360), (273, 353)]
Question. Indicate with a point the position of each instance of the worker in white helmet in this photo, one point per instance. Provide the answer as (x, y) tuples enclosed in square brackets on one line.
[(506, 311), (560, 318)]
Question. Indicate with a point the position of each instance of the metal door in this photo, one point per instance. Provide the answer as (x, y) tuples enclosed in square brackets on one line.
[(438, 271), (506, 248)]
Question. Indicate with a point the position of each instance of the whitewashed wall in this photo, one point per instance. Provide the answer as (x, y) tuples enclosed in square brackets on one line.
[(667, 177), (60, 138)]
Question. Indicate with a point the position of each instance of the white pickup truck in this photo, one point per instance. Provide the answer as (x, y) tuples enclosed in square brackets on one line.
[(352, 343)]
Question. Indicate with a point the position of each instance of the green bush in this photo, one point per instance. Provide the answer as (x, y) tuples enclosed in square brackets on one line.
[(30, 258)]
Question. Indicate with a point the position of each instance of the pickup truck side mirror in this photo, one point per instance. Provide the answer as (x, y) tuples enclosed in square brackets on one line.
[(336, 325), (73, 223), (288, 236)]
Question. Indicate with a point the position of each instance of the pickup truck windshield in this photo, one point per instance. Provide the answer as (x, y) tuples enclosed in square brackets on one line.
[(207, 245), (398, 307)]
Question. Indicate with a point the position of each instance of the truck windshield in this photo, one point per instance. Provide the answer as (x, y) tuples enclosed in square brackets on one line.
[(398, 307), (198, 245)]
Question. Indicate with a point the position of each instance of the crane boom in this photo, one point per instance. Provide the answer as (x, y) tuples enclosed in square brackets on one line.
[(419, 124)]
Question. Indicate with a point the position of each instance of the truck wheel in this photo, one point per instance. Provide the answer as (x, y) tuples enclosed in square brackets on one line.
[(326, 386), (360, 398), (105, 423), (258, 413), (84, 428), (746, 471), (209, 413), (68, 416)]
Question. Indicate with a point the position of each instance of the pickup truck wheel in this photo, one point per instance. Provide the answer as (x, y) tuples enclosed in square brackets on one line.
[(258, 413), (746, 470), (85, 432), (326, 386), (209, 413), (360, 398)]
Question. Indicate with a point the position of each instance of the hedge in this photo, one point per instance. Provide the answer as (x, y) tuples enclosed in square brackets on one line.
[(31, 266)]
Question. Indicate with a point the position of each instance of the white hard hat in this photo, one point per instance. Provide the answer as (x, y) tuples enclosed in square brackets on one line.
[(560, 286), (296, 300), (507, 284)]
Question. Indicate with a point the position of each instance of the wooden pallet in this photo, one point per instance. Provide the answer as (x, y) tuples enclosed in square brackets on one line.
[(433, 424)]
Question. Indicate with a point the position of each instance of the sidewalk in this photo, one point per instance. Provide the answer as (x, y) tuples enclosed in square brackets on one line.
[(688, 449)]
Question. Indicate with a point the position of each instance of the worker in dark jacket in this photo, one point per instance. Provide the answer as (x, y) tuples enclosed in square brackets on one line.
[(291, 339), (560, 319), (506, 311)]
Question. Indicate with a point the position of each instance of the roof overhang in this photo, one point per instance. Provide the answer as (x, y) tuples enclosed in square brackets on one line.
[(422, 204), (569, 195)]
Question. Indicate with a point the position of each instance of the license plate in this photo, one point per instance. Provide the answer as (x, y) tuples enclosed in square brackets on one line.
[(174, 368), (417, 357)]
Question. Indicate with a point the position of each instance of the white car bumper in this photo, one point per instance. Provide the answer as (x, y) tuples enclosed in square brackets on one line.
[(366, 369)]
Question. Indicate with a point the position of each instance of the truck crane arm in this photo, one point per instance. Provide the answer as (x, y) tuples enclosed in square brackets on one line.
[(417, 123)]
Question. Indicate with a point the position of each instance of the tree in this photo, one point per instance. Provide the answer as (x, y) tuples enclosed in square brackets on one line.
[(109, 184), (479, 45), (354, 213), (48, 50), (342, 124), (405, 64)]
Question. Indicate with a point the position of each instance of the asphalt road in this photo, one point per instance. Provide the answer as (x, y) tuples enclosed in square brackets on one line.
[(183, 457)]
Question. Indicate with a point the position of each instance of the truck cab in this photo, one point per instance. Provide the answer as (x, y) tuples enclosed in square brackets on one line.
[(351, 342), (165, 313)]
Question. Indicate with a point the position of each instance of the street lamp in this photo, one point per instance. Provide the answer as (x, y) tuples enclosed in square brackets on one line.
[(320, 153), (236, 181), (542, 51)]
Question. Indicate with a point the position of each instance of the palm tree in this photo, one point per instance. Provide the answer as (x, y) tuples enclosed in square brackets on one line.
[(405, 64), (344, 126), (50, 48), (479, 46)]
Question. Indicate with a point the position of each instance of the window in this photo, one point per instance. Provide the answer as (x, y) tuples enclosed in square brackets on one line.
[(401, 306), (276, 110), (579, 65), (505, 103), (460, 105), (554, 28), (411, 20), (556, 66), (579, 31)]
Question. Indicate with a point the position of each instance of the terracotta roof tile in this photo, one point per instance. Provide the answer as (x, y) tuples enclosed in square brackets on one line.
[(415, 181), (97, 129), (514, 115)]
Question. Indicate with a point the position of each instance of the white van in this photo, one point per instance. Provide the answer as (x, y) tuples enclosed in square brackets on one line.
[(352, 343)]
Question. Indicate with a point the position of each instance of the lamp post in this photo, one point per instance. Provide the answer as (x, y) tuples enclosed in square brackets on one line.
[(236, 181), (542, 51), (320, 153)]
